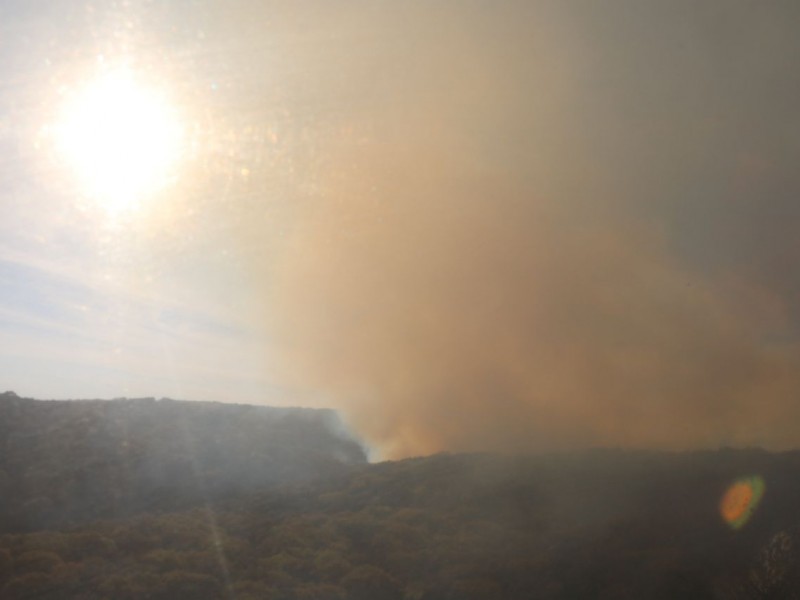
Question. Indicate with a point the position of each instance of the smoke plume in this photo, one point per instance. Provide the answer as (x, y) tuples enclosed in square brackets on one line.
[(525, 229)]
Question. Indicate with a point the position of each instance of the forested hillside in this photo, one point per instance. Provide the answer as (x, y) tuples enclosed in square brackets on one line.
[(70, 462), (603, 524)]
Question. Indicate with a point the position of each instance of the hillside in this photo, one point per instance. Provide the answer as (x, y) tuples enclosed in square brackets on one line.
[(69, 462), (602, 524)]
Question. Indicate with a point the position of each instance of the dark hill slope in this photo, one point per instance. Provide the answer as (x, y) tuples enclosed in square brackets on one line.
[(71, 461), (596, 525)]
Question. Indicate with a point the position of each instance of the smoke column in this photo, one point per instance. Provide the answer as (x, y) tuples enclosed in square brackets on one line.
[(491, 249)]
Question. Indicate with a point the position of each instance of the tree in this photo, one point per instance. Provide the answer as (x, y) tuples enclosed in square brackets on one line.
[(181, 585), (366, 582), (37, 561)]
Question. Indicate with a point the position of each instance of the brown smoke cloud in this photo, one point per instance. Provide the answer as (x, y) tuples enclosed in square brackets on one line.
[(486, 253), (447, 311)]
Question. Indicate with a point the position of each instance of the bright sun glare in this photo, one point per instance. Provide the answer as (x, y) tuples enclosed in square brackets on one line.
[(121, 138)]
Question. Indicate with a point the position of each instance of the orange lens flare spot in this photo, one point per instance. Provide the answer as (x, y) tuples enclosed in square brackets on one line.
[(736, 501), (740, 500)]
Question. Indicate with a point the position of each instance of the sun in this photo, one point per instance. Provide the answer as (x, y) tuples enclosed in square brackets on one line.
[(121, 139)]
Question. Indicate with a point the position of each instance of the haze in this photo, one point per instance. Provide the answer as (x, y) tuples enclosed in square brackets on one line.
[(467, 225)]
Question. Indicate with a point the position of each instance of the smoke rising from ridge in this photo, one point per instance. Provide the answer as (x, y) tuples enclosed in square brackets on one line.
[(457, 314), (512, 234)]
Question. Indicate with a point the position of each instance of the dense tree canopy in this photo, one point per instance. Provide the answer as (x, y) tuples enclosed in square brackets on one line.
[(71, 462), (606, 525)]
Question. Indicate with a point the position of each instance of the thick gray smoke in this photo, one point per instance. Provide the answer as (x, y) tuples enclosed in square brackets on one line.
[(451, 312), (530, 228)]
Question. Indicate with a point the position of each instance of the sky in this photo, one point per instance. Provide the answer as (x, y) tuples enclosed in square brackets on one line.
[(515, 226)]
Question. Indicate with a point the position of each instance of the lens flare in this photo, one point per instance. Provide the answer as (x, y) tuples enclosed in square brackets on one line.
[(740, 500)]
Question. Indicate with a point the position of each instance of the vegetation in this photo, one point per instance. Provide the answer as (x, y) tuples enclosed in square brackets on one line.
[(597, 525), (70, 462)]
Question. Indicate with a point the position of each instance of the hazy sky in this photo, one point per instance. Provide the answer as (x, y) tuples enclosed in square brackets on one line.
[(468, 225)]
